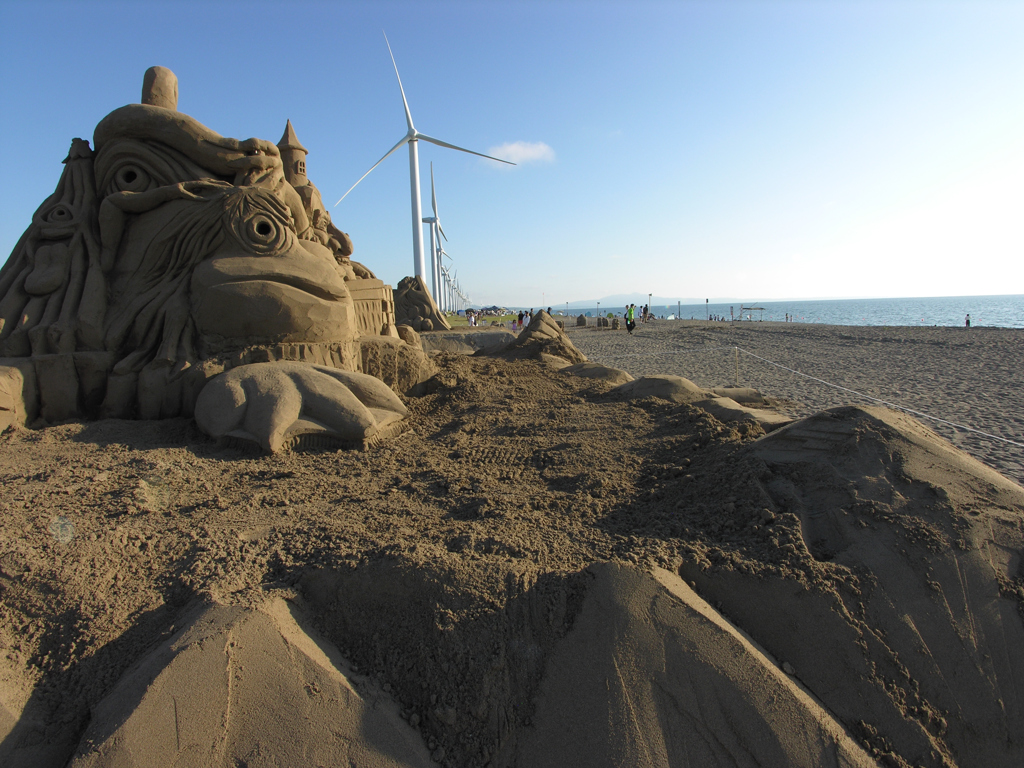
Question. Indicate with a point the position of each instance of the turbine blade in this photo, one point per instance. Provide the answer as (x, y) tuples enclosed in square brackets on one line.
[(404, 140), (441, 230), (408, 114), (440, 143)]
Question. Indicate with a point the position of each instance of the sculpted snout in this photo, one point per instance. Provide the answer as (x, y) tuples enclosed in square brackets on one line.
[(297, 295)]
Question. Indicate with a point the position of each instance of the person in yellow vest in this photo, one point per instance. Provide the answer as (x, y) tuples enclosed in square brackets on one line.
[(631, 318)]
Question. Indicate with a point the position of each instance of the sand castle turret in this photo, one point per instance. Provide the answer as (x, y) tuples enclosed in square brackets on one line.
[(293, 156)]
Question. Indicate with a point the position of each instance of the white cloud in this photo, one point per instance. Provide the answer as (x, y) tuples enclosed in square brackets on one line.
[(522, 152)]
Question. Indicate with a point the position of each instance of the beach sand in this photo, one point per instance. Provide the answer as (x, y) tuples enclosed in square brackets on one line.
[(543, 572), (971, 377)]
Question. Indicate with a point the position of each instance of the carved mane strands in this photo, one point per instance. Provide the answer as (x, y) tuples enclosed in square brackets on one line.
[(44, 286)]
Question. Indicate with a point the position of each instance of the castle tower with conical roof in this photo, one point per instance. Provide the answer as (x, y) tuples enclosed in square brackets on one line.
[(293, 156)]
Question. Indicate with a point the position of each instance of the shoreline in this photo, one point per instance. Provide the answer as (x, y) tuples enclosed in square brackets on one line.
[(966, 376), (698, 323)]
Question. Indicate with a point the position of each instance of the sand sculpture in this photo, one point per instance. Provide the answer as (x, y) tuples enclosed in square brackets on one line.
[(415, 307), (724, 403), (169, 254), (543, 340)]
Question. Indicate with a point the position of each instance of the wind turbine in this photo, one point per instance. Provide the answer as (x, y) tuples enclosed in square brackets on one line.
[(442, 253), (436, 249), (412, 138), (447, 297), (446, 289)]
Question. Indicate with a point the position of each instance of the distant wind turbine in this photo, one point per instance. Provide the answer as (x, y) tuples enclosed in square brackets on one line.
[(455, 298), (436, 249), (442, 253), (446, 290), (412, 138)]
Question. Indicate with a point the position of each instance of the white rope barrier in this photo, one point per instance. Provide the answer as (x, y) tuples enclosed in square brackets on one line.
[(834, 386), (880, 401), (677, 349)]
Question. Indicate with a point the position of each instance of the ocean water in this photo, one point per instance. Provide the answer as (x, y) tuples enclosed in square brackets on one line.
[(993, 311)]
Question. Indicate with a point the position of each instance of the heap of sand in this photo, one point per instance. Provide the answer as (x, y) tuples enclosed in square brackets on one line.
[(549, 569)]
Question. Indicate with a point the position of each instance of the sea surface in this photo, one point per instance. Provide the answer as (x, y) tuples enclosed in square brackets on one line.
[(992, 311)]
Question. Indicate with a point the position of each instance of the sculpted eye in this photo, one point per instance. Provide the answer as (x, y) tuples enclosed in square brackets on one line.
[(130, 165), (59, 214), (262, 234), (259, 221), (262, 229), (131, 178)]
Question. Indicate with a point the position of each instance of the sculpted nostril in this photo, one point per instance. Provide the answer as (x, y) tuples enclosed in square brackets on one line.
[(264, 228)]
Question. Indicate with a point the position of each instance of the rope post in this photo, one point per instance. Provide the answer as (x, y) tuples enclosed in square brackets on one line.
[(736, 353)]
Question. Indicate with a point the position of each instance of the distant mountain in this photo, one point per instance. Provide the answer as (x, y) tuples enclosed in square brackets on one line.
[(618, 301), (622, 299), (641, 298)]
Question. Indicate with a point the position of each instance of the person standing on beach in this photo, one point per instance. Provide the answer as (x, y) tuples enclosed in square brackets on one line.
[(631, 318), (967, 321)]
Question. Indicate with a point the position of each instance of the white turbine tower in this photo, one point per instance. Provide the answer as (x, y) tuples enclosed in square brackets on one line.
[(412, 138)]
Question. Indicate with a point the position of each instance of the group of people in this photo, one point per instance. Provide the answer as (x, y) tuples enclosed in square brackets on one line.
[(517, 322), (631, 316)]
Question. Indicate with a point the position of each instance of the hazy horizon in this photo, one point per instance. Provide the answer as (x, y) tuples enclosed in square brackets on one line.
[(619, 299)]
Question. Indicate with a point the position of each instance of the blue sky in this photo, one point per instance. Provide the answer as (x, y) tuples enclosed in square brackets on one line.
[(748, 150)]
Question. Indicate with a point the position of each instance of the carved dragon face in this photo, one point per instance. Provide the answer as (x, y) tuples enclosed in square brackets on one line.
[(221, 267), (187, 263), (263, 282)]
